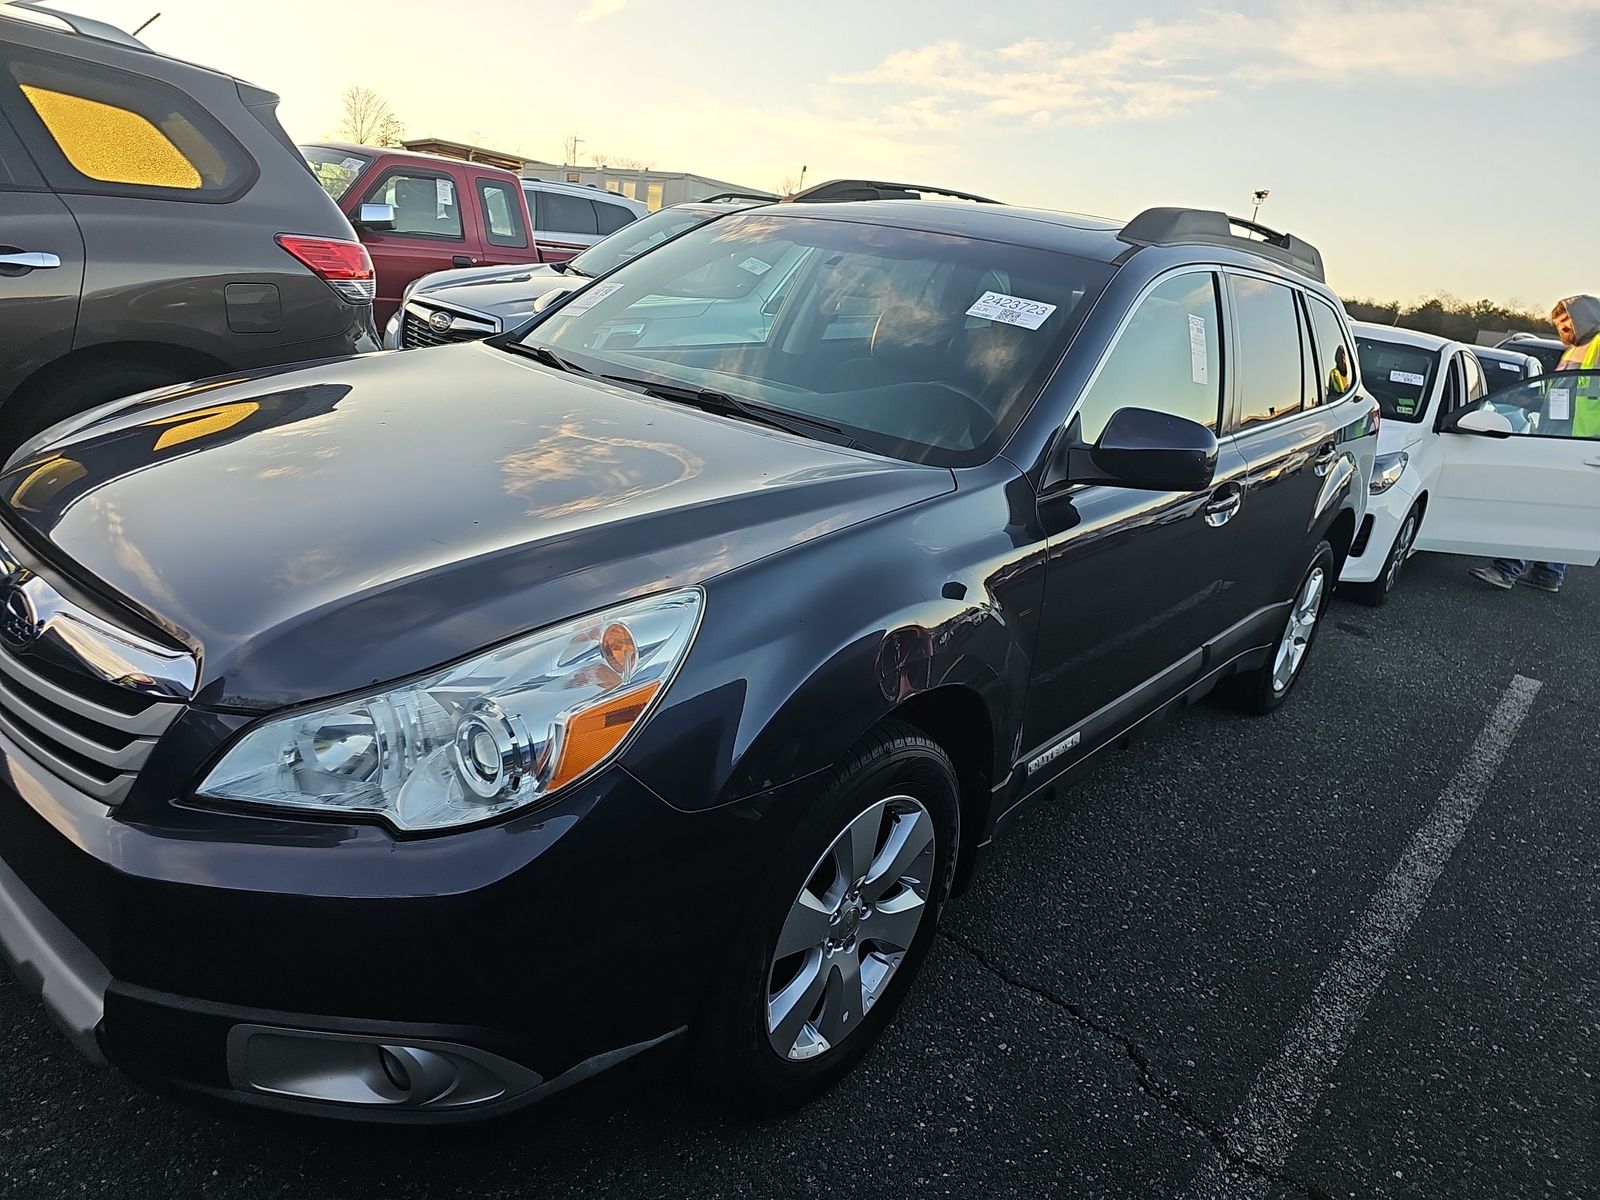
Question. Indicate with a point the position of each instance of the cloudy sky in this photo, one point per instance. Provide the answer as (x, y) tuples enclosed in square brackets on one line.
[(1425, 145)]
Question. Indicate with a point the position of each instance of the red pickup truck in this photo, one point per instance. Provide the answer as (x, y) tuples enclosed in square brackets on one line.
[(446, 213)]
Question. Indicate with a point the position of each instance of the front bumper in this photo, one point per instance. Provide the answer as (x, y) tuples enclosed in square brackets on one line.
[(336, 969), (1386, 512)]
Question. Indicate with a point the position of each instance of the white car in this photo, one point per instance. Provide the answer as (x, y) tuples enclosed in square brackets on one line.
[(1462, 474)]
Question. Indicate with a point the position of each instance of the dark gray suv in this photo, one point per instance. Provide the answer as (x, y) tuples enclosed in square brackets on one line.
[(156, 225)]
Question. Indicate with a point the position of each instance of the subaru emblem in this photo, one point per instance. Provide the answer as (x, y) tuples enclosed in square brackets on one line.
[(441, 321), (19, 623)]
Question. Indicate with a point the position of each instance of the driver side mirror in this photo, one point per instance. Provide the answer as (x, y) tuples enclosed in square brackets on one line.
[(379, 218), (1477, 418), (1139, 448)]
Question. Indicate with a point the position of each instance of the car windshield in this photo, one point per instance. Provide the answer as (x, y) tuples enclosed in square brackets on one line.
[(924, 346), (335, 169), (1399, 376), (634, 239)]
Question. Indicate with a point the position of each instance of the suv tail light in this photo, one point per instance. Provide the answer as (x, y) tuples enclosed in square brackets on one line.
[(346, 266)]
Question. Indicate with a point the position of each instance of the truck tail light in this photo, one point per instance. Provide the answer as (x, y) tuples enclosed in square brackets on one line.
[(345, 266)]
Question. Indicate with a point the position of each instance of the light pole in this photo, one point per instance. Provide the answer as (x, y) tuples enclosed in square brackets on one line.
[(1258, 196)]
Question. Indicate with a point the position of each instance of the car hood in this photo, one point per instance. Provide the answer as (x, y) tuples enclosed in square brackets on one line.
[(319, 531), (507, 293)]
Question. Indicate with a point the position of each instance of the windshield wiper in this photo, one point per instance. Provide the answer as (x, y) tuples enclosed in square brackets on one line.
[(712, 401), (546, 356)]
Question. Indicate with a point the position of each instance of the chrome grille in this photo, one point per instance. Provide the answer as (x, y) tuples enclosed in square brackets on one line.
[(80, 697), (416, 332)]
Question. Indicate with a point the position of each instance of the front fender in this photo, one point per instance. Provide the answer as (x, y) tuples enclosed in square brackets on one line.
[(802, 653)]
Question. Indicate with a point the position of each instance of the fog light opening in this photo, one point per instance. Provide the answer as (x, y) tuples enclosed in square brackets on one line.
[(394, 1069)]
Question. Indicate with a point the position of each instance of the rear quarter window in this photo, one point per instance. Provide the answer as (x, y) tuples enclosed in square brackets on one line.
[(96, 129)]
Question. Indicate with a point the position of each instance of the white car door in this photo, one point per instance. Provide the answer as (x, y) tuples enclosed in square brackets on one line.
[(1514, 481)]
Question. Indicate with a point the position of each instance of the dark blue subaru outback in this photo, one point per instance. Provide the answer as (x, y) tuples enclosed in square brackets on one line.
[(411, 736)]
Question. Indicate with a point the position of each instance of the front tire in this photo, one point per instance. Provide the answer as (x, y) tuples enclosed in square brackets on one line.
[(834, 941), (1262, 690), (1378, 591)]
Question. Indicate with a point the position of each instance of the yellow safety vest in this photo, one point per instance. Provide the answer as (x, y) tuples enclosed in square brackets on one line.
[(1586, 401)]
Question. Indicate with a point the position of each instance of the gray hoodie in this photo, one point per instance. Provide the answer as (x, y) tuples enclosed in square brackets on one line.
[(1585, 314)]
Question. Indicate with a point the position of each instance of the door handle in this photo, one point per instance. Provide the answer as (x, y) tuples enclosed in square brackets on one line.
[(31, 260), (461, 260), (1324, 460), (1222, 509), (1591, 462)]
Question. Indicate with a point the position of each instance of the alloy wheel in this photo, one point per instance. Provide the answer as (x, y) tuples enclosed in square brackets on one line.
[(1402, 551), (850, 928), (1297, 634)]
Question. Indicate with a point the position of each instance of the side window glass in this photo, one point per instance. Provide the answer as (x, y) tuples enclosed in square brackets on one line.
[(502, 215), (611, 217), (1270, 371), (425, 205), (560, 213), (1565, 405), (1476, 388), (96, 129), (1168, 358), (1335, 358)]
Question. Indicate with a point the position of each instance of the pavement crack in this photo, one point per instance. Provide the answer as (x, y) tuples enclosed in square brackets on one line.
[(1150, 1079)]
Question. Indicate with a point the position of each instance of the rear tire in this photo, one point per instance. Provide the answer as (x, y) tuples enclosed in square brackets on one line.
[(1262, 690), (766, 999), (1378, 591)]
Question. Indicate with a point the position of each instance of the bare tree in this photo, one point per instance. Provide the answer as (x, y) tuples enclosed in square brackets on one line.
[(788, 185), (368, 119), (602, 159)]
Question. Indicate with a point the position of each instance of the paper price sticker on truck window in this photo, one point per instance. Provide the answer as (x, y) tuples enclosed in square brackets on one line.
[(353, 164), (1509, 367), (591, 297), (447, 192), (1410, 377), (755, 266), (1199, 367), (1011, 310), (1558, 404)]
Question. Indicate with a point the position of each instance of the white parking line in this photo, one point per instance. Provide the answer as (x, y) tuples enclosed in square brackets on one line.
[(1275, 1110)]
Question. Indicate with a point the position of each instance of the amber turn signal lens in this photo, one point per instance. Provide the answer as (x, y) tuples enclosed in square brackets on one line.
[(595, 733)]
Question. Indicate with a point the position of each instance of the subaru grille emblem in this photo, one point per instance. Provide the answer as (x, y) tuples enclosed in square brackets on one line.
[(441, 321), (19, 624)]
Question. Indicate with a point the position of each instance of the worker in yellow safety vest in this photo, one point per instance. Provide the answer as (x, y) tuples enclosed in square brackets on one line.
[(1577, 322)]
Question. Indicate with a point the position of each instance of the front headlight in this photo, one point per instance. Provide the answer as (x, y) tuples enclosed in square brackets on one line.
[(472, 741), (1386, 471)]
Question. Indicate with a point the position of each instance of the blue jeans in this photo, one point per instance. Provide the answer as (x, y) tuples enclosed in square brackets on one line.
[(1555, 573)]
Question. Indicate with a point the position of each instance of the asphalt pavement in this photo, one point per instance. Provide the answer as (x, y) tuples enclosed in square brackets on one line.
[(1348, 950)]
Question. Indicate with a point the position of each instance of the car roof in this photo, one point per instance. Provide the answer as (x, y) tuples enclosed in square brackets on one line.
[(1086, 237), (402, 152), (1547, 343), (1402, 337), (577, 189)]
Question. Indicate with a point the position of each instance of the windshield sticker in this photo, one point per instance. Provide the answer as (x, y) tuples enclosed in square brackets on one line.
[(590, 298), (1558, 404), (1011, 310), (1405, 405), (353, 164), (447, 195), (1199, 368), (1410, 377), (755, 266)]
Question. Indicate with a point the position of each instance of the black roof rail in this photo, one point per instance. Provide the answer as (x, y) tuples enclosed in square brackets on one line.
[(873, 189), (766, 197), (1170, 226), (84, 26)]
